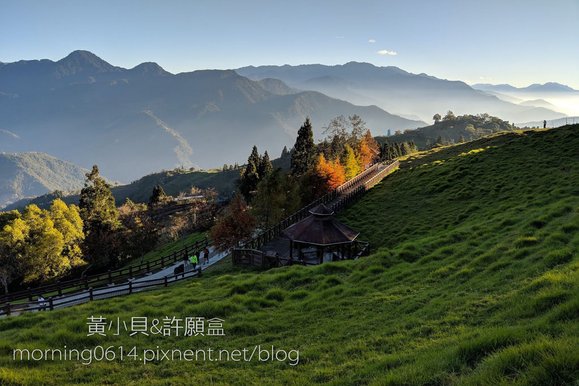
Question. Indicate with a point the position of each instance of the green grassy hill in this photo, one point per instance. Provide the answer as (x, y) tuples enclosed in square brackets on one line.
[(459, 129), (473, 280)]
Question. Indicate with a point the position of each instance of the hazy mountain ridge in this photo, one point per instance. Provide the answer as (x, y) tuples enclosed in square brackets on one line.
[(395, 90), (132, 122), (546, 87), (32, 174)]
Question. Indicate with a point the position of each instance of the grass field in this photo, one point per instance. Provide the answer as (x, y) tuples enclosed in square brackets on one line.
[(167, 249), (473, 280)]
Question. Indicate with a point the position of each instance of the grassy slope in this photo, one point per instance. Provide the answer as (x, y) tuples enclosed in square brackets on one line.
[(474, 280)]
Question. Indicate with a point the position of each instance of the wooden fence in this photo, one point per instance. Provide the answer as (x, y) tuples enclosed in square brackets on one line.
[(104, 279), (91, 294)]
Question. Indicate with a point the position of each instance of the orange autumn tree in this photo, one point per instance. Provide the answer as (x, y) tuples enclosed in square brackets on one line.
[(368, 150), (331, 172)]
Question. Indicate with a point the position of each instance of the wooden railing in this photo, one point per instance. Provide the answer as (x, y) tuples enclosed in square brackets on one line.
[(104, 279), (257, 258), (91, 294)]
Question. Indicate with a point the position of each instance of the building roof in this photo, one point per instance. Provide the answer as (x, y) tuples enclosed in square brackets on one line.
[(320, 228)]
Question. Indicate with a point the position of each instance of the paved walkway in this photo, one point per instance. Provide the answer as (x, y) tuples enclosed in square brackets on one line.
[(147, 282)]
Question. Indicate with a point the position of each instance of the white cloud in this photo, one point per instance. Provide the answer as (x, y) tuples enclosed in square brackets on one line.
[(9, 133), (371, 41), (387, 52)]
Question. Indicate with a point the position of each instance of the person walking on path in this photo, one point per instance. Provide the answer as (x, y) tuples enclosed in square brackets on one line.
[(194, 260), (206, 255), (41, 303)]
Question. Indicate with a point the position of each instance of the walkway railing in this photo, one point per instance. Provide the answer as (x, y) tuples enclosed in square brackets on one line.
[(104, 279), (93, 294), (258, 258)]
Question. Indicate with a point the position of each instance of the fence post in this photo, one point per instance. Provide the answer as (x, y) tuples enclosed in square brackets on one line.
[(130, 287), (199, 271), (85, 283), (165, 281), (149, 266), (90, 294), (162, 261), (7, 309), (130, 271), (50, 304)]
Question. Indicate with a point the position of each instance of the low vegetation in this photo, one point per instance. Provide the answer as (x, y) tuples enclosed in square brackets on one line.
[(451, 129), (474, 280)]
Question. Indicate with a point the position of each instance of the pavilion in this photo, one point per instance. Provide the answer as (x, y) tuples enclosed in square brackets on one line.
[(320, 238)]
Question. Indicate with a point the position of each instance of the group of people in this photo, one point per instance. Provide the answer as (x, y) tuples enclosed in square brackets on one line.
[(194, 258)]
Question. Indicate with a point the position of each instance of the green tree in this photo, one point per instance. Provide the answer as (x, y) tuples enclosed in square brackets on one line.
[(449, 116), (265, 167), (12, 242), (101, 220), (139, 230), (234, 225), (250, 176), (304, 153), (43, 248), (158, 196), (68, 222), (350, 162), (276, 198)]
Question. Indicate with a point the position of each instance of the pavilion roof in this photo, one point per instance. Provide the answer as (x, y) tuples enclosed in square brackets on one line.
[(320, 228)]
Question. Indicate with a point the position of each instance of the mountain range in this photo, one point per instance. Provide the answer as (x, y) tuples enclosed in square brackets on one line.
[(536, 87), (25, 175), (398, 91), (135, 121)]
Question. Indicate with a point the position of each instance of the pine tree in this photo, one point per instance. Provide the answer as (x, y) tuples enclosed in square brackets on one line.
[(303, 156), (265, 167), (250, 175), (101, 220), (285, 152), (275, 199), (158, 196)]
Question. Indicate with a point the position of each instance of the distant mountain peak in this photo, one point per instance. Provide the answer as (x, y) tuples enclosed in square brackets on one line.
[(549, 86), (353, 63), (546, 87), (149, 68), (83, 61)]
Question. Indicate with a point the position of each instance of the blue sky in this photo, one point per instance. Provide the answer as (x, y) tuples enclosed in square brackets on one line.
[(490, 41)]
